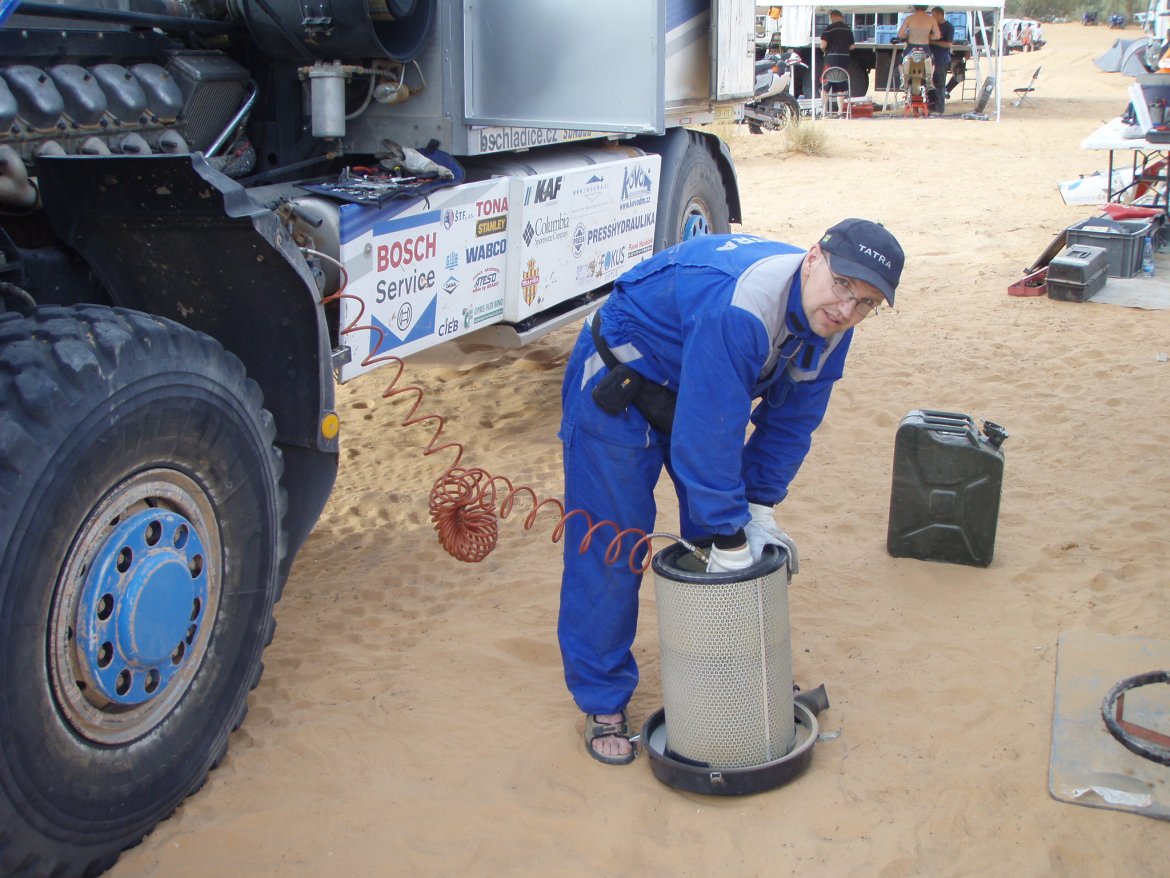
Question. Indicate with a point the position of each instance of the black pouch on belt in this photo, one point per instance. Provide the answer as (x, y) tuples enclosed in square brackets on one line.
[(618, 389), (656, 403), (624, 386)]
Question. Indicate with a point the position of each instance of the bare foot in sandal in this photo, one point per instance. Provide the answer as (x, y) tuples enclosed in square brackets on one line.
[(607, 738)]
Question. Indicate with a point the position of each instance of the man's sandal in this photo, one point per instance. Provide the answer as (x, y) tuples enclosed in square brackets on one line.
[(595, 730)]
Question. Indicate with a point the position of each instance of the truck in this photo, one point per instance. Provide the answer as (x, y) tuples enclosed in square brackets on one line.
[(211, 211)]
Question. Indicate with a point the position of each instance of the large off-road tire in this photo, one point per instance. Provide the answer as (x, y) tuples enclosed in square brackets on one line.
[(698, 199), (140, 538)]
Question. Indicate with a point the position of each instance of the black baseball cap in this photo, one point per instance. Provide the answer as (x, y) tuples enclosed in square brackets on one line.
[(867, 251)]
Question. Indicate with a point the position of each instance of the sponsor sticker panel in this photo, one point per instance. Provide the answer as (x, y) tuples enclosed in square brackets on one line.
[(581, 228), (425, 274)]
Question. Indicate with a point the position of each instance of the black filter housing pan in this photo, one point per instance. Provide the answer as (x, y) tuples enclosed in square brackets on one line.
[(740, 781)]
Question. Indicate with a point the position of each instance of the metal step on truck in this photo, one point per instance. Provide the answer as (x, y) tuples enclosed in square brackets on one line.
[(197, 199)]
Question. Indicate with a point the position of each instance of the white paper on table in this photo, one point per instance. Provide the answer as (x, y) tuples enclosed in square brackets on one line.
[(1140, 108)]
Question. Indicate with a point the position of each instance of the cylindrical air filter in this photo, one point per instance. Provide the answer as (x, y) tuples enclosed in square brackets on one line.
[(726, 657)]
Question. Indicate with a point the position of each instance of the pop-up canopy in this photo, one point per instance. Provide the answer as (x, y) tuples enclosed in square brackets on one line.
[(797, 28)]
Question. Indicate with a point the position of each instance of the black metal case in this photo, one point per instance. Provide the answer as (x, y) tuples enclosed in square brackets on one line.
[(1077, 273)]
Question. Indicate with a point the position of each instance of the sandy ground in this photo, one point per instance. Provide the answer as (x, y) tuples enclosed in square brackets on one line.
[(412, 720)]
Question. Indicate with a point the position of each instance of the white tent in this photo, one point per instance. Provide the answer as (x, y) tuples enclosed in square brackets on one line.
[(797, 28)]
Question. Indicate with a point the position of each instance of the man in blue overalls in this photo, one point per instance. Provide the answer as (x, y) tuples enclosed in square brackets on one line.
[(665, 374)]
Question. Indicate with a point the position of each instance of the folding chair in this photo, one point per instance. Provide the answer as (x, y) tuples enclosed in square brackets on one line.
[(1022, 93), (830, 78)]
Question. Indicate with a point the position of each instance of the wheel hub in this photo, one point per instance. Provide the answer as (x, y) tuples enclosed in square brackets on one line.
[(141, 606), (696, 224)]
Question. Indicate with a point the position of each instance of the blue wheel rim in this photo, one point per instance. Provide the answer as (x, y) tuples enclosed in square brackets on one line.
[(696, 224), (141, 606), (135, 606)]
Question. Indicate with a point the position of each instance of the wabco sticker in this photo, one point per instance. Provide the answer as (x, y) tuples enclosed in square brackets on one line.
[(486, 251), (530, 282), (636, 187)]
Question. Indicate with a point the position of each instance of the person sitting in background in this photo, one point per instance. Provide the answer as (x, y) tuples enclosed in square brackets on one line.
[(918, 29)]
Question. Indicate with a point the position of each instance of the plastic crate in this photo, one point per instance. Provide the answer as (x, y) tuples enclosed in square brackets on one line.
[(1122, 240)]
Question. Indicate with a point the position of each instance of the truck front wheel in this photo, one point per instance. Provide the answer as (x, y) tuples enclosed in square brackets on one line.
[(140, 541)]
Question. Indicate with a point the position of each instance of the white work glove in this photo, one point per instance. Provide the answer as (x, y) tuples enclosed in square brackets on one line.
[(729, 560), (762, 531)]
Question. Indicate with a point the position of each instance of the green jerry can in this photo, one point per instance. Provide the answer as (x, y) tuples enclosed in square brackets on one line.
[(944, 503)]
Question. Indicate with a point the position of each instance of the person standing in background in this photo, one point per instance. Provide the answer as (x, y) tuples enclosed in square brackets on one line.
[(836, 41), (940, 50)]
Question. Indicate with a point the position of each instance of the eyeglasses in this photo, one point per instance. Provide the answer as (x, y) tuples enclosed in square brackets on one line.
[(842, 288)]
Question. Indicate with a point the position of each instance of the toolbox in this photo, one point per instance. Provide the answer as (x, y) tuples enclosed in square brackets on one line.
[(944, 501), (860, 108), (1077, 272)]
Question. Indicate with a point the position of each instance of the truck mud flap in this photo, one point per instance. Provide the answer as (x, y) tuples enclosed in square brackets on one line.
[(171, 236)]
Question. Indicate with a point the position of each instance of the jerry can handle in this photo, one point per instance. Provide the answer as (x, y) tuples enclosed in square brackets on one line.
[(947, 422)]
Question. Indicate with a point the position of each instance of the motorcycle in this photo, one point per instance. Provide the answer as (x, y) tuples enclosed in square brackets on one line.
[(1116, 22), (772, 103)]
